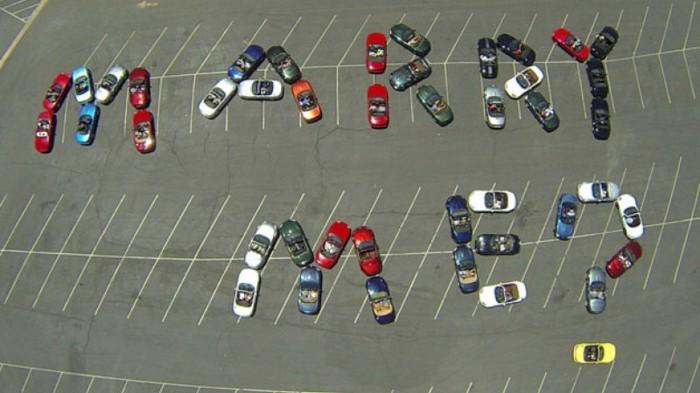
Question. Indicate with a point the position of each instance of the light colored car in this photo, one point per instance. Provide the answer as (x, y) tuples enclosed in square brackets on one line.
[(260, 89), (502, 294), (217, 98), (483, 201), (261, 245), (631, 217), (594, 353), (110, 84), (82, 85), (494, 107), (246, 294), (600, 191), (523, 82)]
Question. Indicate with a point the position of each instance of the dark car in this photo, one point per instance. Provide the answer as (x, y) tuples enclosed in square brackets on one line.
[(595, 290), (600, 119), (497, 244), (597, 79), (542, 110), (310, 284), (516, 49), (297, 244), (460, 219), (567, 209), (488, 61), (467, 276), (409, 74), (283, 63), (246, 63), (410, 39), (604, 42), (380, 299), (435, 105)]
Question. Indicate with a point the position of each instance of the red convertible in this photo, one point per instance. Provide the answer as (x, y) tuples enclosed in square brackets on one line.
[(376, 53), (57, 92), (144, 131), (140, 88), (571, 44), (44, 133), (333, 245), (623, 259), (378, 106), (367, 251)]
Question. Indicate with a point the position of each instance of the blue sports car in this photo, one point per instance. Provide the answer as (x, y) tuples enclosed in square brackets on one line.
[(467, 277), (460, 220), (87, 124), (380, 300), (309, 301), (246, 63), (566, 216)]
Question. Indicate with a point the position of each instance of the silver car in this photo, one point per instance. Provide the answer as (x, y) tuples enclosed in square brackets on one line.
[(595, 290), (494, 107)]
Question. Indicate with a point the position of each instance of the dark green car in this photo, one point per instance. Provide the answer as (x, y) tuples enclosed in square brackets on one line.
[(283, 63), (409, 74), (410, 39), (542, 110), (435, 104), (297, 244)]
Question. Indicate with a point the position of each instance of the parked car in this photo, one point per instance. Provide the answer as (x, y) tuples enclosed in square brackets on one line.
[(494, 107), (567, 209), (542, 110), (140, 88), (379, 298), (467, 275), (483, 201), (488, 60), (144, 131), (245, 296), (598, 191), (375, 57), (571, 44), (45, 132), (82, 82), (333, 244), (378, 106), (600, 119), (624, 259), (367, 251), (57, 92), (310, 284), (629, 214), (502, 294), (435, 104), (246, 63), (459, 218), (261, 245), (523, 82), (88, 117), (110, 84), (597, 79), (604, 42), (595, 290), (296, 242), (516, 49), (497, 244), (409, 74), (217, 98), (260, 89), (594, 353), (306, 100), (283, 63), (410, 39)]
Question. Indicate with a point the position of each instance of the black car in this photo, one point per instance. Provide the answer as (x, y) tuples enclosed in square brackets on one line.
[(497, 244), (488, 62), (542, 110), (604, 42), (597, 78), (600, 117), (516, 49), (283, 63)]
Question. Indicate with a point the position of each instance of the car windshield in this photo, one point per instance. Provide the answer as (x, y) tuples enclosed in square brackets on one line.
[(108, 82), (417, 67), (285, 62), (377, 106), (84, 123), (136, 85), (297, 246), (54, 92), (308, 295), (599, 287), (245, 294), (496, 200), (460, 218), (632, 217), (81, 85), (259, 244), (568, 213), (522, 81), (376, 52), (437, 104), (593, 353), (577, 45), (331, 247), (262, 88), (408, 36), (627, 257), (545, 111), (506, 293), (495, 107), (307, 101), (488, 56), (214, 98), (467, 276), (367, 250)]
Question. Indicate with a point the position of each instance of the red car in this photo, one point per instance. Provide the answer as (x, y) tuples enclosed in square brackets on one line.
[(144, 131), (57, 92), (378, 106), (140, 88), (367, 251), (624, 259), (571, 44), (376, 53), (44, 133), (333, 245)]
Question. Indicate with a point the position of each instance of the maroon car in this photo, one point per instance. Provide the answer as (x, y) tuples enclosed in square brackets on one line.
[(57, 92), (375, 58), (378, 106), (623, 259), (333, 244), (367, 251), (140, 88)]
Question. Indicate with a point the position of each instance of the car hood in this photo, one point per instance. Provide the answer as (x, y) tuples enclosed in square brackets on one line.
[(253, 259), (596, 305), (487, 296)]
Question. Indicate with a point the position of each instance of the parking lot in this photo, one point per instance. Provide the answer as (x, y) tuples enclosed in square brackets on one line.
[(117, 270)]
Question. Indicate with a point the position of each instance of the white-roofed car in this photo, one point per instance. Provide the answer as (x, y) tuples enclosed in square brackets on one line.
[(110, 84), (246, 294), (523, 82), (631, 217), (260, 89), (217, 98), (482, 201), (600, 191), (261, 245), (502, 294)]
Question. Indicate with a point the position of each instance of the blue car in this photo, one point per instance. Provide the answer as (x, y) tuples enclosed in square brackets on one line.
[(246, 63), (460, 220), (309, 301), (87, 124), (566, 216), (82, 85), (380, 300), (467, 277)]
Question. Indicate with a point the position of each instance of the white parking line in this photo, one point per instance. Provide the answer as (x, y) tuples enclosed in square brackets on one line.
[(119, 52), (337, 98), (506, 386), (692, 378), (99, 44), (544, 377), (153, 267), (685, 46), (92, 380), (92, 253), (685, 240), (469, 388), (318, 42), (19, 220), (634, 54), (546, 64), (607, 378), (573, 386), (58, 382), (25, 9), (498, 27), (126, 383), (431, 389), (31, 250), (668, 368), (26, 380), (65, 118), (150, 49), (605, 64), (661, 47), (639, 372), (449, 54)]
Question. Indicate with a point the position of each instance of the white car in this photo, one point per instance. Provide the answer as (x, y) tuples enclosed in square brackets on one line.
[(110, 84), (217, 98), (523, 82), (630, 216), (600, 191), (502, 294), (482, 201), (246, 294), (494, 108), (260, 89), (261, 245)]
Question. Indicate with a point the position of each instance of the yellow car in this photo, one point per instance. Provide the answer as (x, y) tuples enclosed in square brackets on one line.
[(594, 353)]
